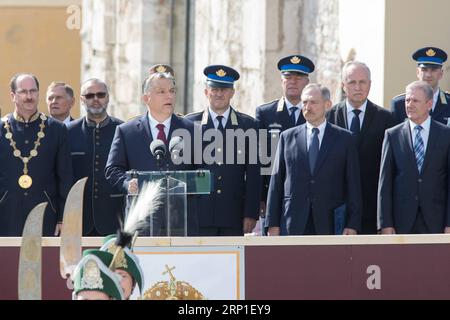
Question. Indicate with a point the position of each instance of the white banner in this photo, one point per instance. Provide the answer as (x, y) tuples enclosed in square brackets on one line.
[(188, 273)]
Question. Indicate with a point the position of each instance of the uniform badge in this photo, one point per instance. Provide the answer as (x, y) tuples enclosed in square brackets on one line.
[(296, 60), (221, 73), (92, 278), (430, 52), (161, 69)]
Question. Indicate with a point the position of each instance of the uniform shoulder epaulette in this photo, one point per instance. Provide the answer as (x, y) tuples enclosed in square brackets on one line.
[(192, 113), (179, 114), (132, 118), (399, 95)]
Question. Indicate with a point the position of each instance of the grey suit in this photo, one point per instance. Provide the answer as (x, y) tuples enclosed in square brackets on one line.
[(403, 192)]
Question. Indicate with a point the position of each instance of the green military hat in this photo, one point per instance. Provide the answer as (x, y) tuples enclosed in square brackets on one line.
[(93, 274), (126, 260)]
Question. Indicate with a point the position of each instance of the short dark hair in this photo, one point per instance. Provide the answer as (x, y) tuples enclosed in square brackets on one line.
[(68, 88), (13, 82)]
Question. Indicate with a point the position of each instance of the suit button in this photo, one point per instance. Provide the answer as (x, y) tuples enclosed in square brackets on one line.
[(219, 163), (27, 142), (95, 197), (313, 181), (420, 180), (219, 178), (95, 190), (417, 198), (97, 156), (25, 194), (97, 143), (219, 191), (96, 183), (96, 163), (26, 126), (96, 169)]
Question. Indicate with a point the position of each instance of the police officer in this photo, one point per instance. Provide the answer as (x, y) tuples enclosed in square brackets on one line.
[(283, 113), (430, 62), (35, 161), (90, 140), (232, 208)]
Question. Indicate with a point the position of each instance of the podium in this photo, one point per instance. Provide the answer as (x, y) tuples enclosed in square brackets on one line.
[(170, 219)]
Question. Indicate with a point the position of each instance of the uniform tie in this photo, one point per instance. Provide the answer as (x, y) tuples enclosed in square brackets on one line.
[(293, 110), (313, 149), (161, 134), (419, 148), (220, 126)]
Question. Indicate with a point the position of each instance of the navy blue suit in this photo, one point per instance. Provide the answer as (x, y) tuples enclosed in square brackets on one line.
[(236, 186), (130, 151), (403, 191), (89, 145), (369, 142), (295, 193), (51, 171), (441, 111)]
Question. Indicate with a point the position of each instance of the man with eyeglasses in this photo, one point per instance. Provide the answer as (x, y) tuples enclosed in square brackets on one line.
[(90, 140), (35, 161)]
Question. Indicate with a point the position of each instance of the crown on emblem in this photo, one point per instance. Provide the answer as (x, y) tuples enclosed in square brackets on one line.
[(161, 69), (295, 60), (430, 52), (221, 73)]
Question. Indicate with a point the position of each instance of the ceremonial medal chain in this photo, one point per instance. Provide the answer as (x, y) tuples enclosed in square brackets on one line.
[(25, 180)]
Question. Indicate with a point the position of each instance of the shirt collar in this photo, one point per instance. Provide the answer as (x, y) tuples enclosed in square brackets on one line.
[(225, 115), (19, 118), (101, 124), (321, 127), (153, 122), (350, 108), (425, 125), (289, 104)]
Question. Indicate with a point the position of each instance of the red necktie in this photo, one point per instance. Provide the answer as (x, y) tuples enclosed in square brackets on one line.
[(161, 135)]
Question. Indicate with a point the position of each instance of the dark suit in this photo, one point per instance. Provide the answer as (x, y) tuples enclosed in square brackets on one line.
[(236, 186), (130, 151), (51, 171), (369, 142), (295, 193), (89, 145), (274, 117), (441, 111), (403, 191)]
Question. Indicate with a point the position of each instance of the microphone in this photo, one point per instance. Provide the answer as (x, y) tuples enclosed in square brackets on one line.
[(158, 150), (176, 146)]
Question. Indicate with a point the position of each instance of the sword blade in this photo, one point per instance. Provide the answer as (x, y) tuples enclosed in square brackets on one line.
[(72, 228), (30, 261)]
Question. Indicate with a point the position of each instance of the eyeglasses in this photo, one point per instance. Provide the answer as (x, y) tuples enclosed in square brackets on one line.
[(24, 92), (99, 95)]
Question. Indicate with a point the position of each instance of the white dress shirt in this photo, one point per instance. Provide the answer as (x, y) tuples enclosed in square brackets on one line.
[(154, 130), (289, 105), (351, 114), (214, 115)]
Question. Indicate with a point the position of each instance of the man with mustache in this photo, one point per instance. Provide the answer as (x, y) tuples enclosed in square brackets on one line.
[(316, 171), (283, 113), (90, 139), (430, 62), (35, 161)]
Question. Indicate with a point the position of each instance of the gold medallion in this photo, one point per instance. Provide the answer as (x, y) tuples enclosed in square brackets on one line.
[(17, 153), (41, 135), (25, 181), (33, 153), (8, 135)]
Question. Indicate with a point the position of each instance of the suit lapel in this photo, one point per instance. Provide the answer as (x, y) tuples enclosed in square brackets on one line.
[(341, 115), (407, 141), (144, 127), (432, 138), (368, 117), (327, 142), (283, 117)]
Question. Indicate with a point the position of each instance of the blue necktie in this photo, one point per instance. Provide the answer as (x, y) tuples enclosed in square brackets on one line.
[(293, 110), (356, 125), (313, 149), (419, 148)]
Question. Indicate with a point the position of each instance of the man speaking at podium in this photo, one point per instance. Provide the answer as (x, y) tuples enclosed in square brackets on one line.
[(130, 149)]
